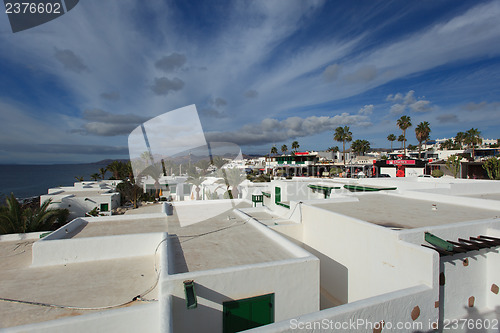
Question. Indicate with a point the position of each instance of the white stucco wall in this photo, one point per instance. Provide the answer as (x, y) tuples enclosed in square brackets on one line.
[(372, 258)]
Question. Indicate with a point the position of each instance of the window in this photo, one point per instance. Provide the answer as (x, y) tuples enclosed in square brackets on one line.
[(248, 313), (104, 207)]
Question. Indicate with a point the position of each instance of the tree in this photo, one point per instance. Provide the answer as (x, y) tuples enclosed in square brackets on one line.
[(360, 146), (274, 150), (472, 138), (333, 149), (95, 176), (459, 139), (196, 180), (102, 171), (232, 177), (404, 123), (115, 168), (411, 147), (295, 145), (453, 164), (218, 162), (422, 132), (203, 165), (447, 144), (343, 134), (492, 167), (391, 138), (401, 139), (129, 192), (16, 219), (284, 149)]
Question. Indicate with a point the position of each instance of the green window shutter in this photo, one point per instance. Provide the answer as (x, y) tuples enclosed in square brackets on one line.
[(248, 313), (277, 194)]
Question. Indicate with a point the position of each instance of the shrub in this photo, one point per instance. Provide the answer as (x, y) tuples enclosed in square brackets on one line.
[(437, 173)]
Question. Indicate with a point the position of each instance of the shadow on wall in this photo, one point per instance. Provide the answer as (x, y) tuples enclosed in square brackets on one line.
[(176, 259), (200, 319), (334, 277)]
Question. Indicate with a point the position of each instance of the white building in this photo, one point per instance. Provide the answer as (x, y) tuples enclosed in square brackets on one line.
[(85, 196), (329, 255)]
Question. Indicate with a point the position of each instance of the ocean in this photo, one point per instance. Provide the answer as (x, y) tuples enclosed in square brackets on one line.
[(27, 181)]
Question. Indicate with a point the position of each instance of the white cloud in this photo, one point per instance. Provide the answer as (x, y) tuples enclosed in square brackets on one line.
[(366, 110), (271, 130), (163, 85), (408, 102)]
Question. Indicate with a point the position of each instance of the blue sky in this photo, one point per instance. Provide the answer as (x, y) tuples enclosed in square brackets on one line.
[(260, 73)]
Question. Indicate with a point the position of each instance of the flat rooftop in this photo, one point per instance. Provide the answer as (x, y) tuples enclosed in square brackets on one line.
[(397, 212), (93, 284), (224, 240), (489, 196), (119, 227)]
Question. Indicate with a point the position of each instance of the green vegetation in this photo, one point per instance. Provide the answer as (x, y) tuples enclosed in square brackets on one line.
[(284, 149), (360, 146), (343, 134), (17, 218), (453, 164), (391, 138), (492, 167), (274, 150), (295, 146), (473, 138), (404, 123), (437, 173), (129, 192), (422, 132)]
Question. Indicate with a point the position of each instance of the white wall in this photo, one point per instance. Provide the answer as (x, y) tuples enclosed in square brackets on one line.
[(295, 284), (463, 281), (375, 261), (393, 309), (63, 251), (138, 318)]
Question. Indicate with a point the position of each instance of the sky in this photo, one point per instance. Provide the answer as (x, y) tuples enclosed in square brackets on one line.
[(261, 73)]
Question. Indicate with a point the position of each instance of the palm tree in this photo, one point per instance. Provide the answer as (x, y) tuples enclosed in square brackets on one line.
[(360, 146), (401, 139), (203, 165), (232, 177), (472, 138), (196, 180), (448, 144), (15, 219), (79, 178), (391, 138), (284, 149), (102, 171), (422, 132), (342, 134), (459, 139), (295, 145), (95, 176), (333, 149), (403, 123), (115, 167), (218, 162), (274, 150)]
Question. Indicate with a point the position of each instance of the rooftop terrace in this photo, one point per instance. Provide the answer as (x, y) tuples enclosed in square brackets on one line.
[(223, 240), (398, 212), (86, 285)]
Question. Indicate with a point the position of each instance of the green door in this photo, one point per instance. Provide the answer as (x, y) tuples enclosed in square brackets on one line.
[(104, 207), (277, 194), (248, 313)]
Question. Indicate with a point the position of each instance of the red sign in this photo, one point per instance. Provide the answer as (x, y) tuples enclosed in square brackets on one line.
[(298, 153), (400, 162)]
